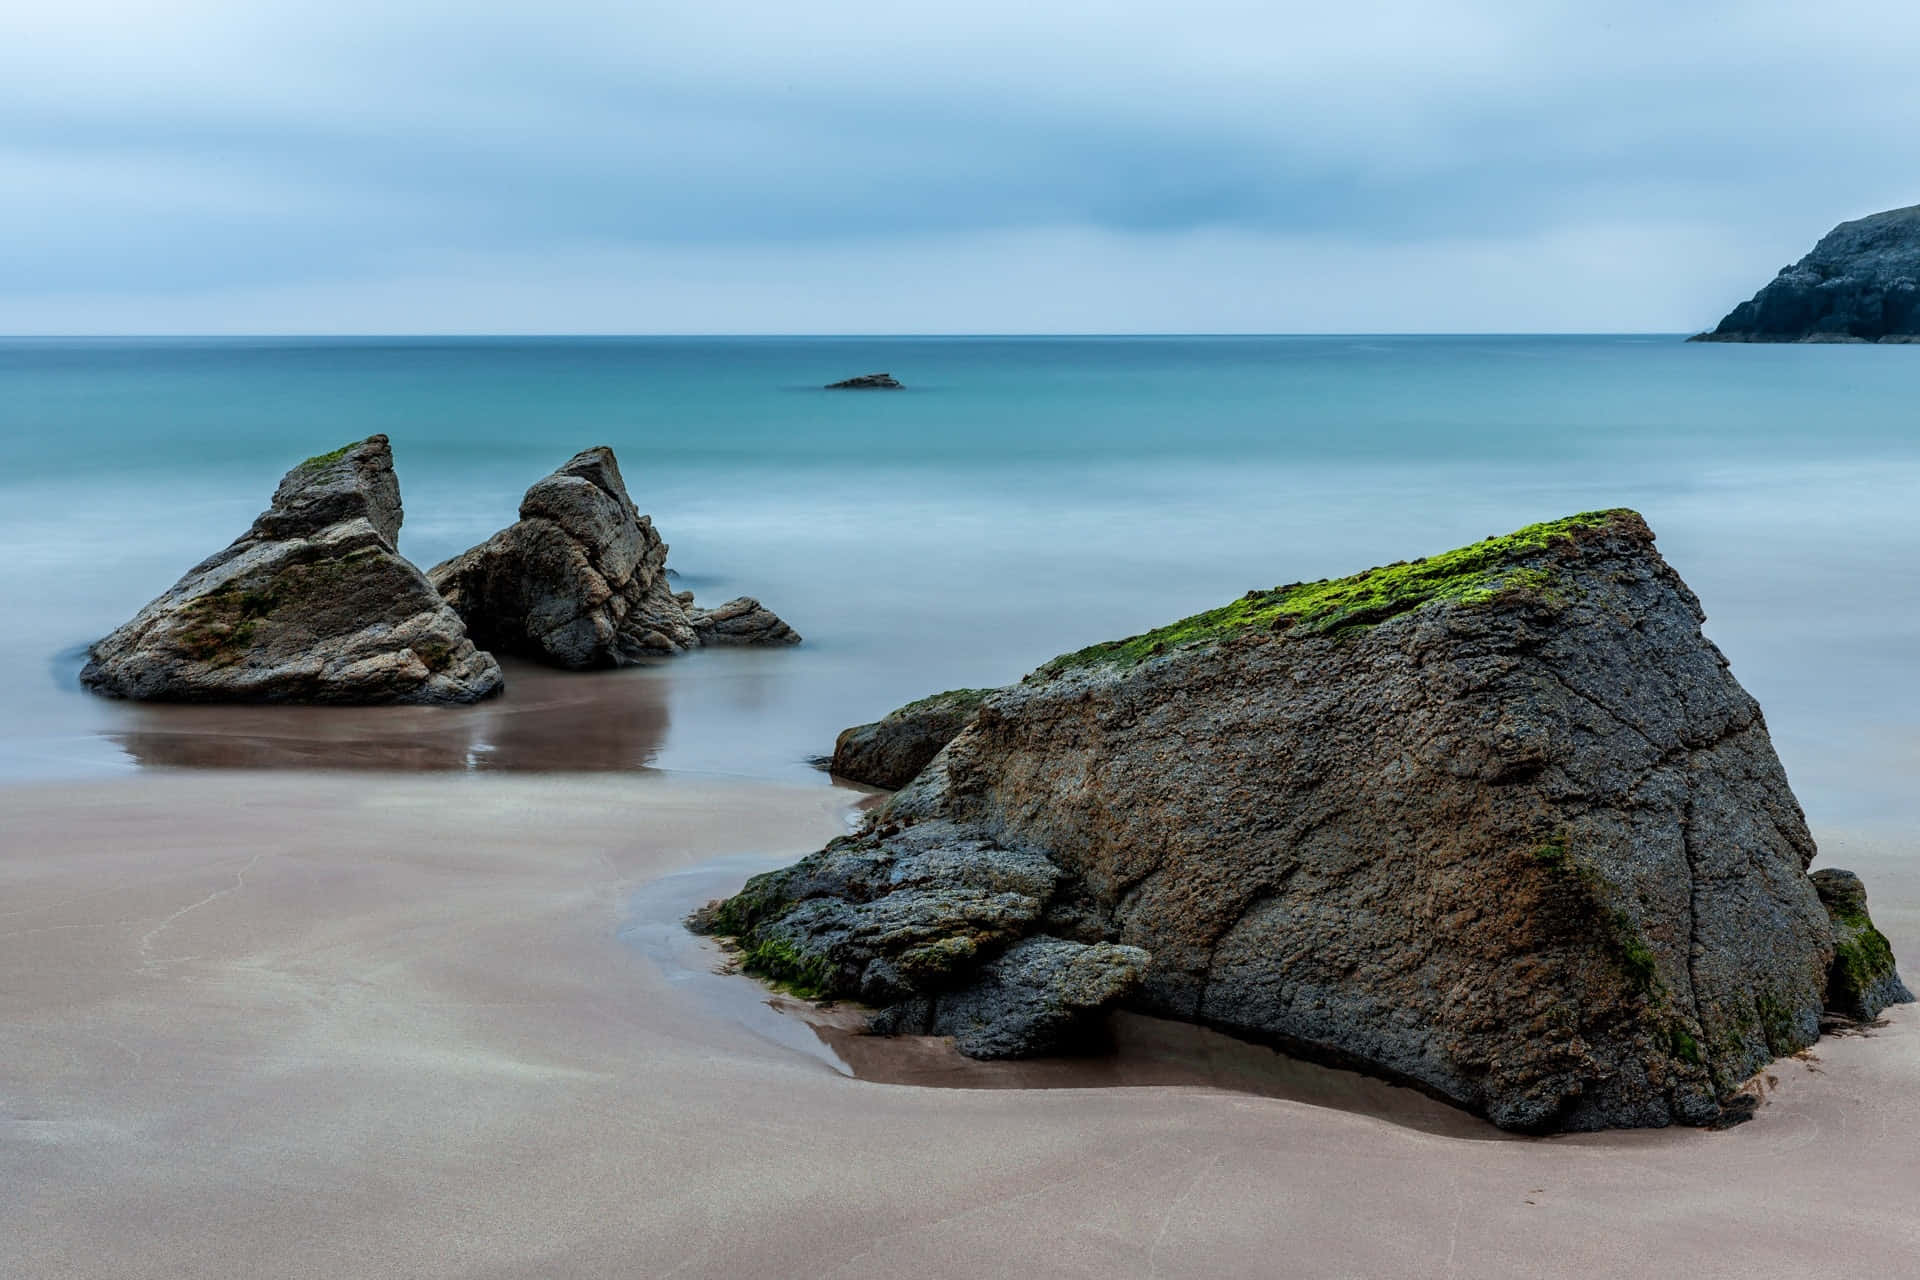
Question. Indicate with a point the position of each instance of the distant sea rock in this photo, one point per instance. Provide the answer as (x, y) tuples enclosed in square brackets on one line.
[(1861, 283), (580, 580), (1498, 823), (892, 751), (312, 604), (867, 382)]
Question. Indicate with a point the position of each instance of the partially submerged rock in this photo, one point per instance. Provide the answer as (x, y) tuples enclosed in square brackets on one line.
[(1498, 823), (743, 620), (580, 580), (1863, 980), (867, 382), (1861, 283), (891, 751), (311, 604)]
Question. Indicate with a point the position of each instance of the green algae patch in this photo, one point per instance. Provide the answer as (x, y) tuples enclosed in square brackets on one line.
[(780, 964), (322, 459), (1468, 575)]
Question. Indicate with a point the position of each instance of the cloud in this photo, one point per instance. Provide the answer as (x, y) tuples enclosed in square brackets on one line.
[(285, 159)]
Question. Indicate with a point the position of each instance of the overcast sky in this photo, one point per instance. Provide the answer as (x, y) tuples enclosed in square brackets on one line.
[(762, 166)]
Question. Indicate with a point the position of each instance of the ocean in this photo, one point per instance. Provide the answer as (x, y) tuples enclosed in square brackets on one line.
[(1020, 498)]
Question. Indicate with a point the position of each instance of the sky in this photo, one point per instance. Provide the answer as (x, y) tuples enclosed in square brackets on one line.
[(1002, 166)]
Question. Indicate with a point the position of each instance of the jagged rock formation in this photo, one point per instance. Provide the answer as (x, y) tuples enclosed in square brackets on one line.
[(580, 580), (1861, 283), (891, 751), (1498, 823), (311, 604), (867, 382), (1862, 981)]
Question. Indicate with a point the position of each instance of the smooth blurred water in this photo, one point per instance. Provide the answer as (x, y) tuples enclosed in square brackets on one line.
[(1021, 498)]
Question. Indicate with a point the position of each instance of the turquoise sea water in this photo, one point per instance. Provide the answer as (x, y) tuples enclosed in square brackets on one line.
[(1021, 498)]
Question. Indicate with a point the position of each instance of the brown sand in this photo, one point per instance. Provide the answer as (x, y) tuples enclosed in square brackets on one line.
[(339, 1026)]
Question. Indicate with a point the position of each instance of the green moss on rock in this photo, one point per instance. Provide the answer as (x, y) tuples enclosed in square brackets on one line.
[(1469, 575), (334, 455), (778, 962)]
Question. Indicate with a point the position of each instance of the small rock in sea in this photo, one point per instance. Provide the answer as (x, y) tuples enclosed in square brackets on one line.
[(580, 580), (1498, 823), (311, 604), (867, 382)]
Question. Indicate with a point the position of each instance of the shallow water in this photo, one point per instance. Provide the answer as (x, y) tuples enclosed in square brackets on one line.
[(1023, 497)]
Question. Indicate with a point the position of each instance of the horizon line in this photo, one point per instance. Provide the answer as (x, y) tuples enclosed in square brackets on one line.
[(622, 335)]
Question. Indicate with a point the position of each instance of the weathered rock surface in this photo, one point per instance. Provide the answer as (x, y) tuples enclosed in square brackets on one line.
[(1498, 823), (1861, 283), (1042, 996), (1863, 980), (311, 604), (891, 751), (867, 382), (580, 581), (934, 924)]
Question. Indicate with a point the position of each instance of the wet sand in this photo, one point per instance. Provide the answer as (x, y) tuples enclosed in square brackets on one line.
[(341, 1025)]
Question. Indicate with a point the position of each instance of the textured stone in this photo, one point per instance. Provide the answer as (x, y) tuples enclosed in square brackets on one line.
[(579, 581), (743, 620), (1042, 996), (311, 604), (1499, 823), (1861, 283), (891, 751), (1863, 980)]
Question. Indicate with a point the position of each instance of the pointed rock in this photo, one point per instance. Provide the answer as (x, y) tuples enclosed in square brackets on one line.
[(580, 580), (311, 604)]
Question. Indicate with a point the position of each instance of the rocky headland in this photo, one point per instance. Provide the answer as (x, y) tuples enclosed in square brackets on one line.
[(1861, 283), (313, 603), (580, 580), (1497, 823)]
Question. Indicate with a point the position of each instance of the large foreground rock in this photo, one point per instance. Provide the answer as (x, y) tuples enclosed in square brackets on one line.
[(580, 581), (312, 604), (892, 750), (1861, 283), (1498, 823)]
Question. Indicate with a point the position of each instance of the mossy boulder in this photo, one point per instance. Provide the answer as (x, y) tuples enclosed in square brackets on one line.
[(1497, 822), (1863, 980), (892, 751), (313, 603)]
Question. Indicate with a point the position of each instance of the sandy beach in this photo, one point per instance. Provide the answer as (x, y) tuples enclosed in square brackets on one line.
[(381, 1025)]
